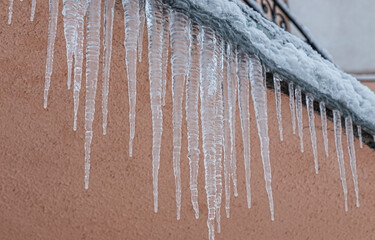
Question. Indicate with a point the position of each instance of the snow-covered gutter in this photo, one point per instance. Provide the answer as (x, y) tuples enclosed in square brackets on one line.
[(286, 55)]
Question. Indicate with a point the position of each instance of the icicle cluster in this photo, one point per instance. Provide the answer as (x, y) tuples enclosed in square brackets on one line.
[(208, 69)]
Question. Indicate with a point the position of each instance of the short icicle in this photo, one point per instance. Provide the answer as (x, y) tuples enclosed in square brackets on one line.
[(340, 154), (292, 105), (277, 87), (323, 115), (92, 67), (359, 129), (107, 43), (10, 12), (258, 92), (165, 48), (243, 103), (310, 112), (351, 150), (33, 6), (142, 18), (192, 117), (131, 23), (179, 29), (52, 27), (208, 97), (154, 12), (219, 56), (299, 115)]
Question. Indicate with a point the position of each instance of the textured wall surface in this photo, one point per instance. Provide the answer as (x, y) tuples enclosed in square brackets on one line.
[(42, 192)]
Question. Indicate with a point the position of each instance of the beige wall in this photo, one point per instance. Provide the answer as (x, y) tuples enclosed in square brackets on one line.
[(42, 194)]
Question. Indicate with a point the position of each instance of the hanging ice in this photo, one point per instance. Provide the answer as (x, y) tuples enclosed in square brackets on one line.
[(232, 77), (299, 115), (258, 92), (192, 91), (52, 27), (179, 29), (323, 115), (291, 105), (351, 150), (219, 57), (165, 48), (276, 84), (92, 67), (78, 58), (243, 103), (340, 154), (141, 27), (154, 12), (131, 22), (360, 136), (33, 6), (11, 11), (310, 111), (208, 97), (70, 31), (107, 43)]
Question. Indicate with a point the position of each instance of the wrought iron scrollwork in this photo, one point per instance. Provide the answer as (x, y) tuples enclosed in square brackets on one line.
[(275, 15)]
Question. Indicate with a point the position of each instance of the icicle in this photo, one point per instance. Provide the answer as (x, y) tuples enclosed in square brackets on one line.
[(70, 31), (276, 84), (299, 115), (291, 105), (243, 103), (310, 111), (78, 58), (165, 48), (351, 149), (208, 96), (323, 115), (179, 29), (131, 23), (52, 27), (154, 14), (33, 6), (219, 57), (10, 11), (232, 77), (141, 27), (107, 43), (92, 67), (340, 154), (360, 136), (260, 106), (192, 91)]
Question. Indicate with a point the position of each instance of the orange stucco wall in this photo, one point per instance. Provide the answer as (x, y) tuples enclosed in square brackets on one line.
[(42, 192)]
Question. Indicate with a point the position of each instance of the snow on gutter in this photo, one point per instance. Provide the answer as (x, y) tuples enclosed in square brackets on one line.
[(285, 54)]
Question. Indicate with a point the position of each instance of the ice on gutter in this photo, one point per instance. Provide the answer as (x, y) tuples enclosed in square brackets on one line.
[(285, 54)]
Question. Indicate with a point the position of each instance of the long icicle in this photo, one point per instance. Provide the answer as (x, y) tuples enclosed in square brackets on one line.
[(351, 149), (276, 84), (52, 27), (323, 115), (232, 76), (179, 29), (208, 96), (107, 43), (131, 23), (359, 129), (258, 92), (219, 57), (299, 115), (192, 95), (11, 11), (292, 105), (310, 111), (227, 89), (340, 154), (92, 67), (165, 48), (142, 17), (243, 103), (33, 6), (78, 58), (154, 13)]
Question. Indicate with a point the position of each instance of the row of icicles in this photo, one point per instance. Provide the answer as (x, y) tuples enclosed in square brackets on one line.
[(215, 72)]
